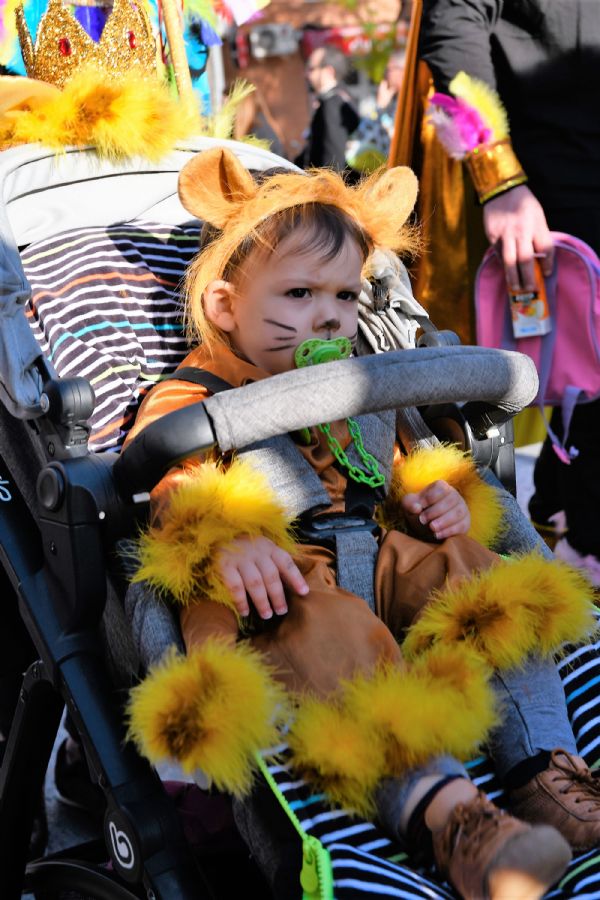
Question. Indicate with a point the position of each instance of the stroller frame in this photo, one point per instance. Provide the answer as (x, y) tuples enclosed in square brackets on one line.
[(54, 542)]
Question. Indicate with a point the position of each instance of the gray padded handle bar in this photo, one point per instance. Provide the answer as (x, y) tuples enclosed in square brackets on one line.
[(304, 397), (499, 382)]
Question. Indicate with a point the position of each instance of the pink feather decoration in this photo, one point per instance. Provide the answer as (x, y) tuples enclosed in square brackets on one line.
[(458, 125)]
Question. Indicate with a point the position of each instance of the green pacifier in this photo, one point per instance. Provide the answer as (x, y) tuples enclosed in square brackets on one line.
[(315, 351)]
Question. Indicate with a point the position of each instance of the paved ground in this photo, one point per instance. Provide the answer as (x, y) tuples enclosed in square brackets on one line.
[(68, 826)]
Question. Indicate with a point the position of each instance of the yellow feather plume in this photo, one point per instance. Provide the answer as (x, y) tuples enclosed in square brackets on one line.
[(220, 125), (121, 119), (518, 607), (337, 754), (422, 467), (485, 100), (381, 726), (210, 507), (411, 711), (212, 710)]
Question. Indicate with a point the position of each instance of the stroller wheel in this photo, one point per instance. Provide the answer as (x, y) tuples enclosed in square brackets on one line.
[(72, 880)]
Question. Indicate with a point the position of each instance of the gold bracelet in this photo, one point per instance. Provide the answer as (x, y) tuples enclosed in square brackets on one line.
[(494, 168)]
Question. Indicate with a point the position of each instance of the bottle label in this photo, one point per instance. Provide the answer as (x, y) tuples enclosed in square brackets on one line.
[(529, 310)]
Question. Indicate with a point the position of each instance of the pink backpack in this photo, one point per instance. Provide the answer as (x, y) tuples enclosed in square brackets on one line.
[(568, 358)]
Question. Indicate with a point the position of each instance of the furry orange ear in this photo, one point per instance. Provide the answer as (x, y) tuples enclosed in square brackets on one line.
[(213, 184), (393, 192)]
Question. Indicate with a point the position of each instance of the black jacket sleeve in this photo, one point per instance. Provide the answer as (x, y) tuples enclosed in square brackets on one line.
[(455, 36)]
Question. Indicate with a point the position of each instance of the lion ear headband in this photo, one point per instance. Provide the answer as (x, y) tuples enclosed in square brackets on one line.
[(215, 187)]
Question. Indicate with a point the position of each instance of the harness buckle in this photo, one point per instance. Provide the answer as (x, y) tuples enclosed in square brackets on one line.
[(322, 530)]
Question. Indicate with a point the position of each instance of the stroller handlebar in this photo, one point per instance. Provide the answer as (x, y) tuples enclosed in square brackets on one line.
[(498, 383)]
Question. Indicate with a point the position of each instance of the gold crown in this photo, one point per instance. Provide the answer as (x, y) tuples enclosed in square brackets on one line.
[(62, 45)]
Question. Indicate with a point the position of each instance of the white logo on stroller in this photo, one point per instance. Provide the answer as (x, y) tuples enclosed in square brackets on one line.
[(122, 848), (5, 494)]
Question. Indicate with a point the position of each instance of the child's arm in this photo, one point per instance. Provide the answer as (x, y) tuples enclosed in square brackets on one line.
[(256, 569), (438, 510)]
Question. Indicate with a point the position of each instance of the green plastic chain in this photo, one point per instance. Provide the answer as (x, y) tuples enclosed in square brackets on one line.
[(375, 478), (315, 351)]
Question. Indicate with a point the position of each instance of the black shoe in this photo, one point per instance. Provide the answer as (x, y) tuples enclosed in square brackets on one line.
[(74, 786), (39, 832), (38, 839)]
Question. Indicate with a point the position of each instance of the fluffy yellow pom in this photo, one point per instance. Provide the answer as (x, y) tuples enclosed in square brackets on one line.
[(518, 607), (420, 712), (212, 710), (380, 726), (121, 119), (422, 467), (210, 507), (337, 753), (466, 677), (561, 599), (485, 100)]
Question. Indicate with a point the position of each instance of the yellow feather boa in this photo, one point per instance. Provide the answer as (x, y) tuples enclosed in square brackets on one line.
[(383, 725), (131, 117), (520, 606), (210, 507), (420, 468), (212, 710)]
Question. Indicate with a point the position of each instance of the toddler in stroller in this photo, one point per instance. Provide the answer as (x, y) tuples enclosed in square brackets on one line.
[(286, 580), (58, 562)]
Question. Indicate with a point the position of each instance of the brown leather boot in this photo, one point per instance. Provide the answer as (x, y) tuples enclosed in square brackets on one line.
[(565, 795), (488, 855)]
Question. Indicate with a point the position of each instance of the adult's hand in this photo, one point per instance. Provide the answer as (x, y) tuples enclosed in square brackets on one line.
[(385, 94), (515, 223)]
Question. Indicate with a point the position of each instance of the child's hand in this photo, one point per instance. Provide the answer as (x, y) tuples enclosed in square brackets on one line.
[(256, 568), (440, 508)]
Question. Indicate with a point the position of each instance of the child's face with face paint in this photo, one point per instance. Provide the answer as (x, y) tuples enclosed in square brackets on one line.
[(284, 297)]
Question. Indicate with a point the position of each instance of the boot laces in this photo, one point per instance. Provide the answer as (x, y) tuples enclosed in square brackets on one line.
[(582, 782), (474, 824)]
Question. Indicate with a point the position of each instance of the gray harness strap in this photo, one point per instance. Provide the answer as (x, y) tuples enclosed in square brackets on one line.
[(294, 480), (356, 555)]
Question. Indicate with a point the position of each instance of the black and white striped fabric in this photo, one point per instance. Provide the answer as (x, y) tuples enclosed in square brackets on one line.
[(366, 863), (105, 305)]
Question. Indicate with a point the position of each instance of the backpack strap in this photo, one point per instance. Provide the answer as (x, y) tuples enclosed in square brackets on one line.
[(199, 376), (572, 393)]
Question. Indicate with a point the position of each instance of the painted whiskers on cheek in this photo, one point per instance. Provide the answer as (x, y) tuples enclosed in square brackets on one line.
[(284, 338)]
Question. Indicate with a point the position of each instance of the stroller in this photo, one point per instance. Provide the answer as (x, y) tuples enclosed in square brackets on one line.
[(68, 500)]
